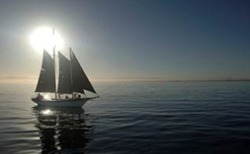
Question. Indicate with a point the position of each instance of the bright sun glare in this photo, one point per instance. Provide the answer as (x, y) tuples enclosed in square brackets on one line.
[(46, 97), (43, 38)]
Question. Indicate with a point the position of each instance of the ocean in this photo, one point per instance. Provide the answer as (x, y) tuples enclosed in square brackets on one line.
[(131, 117)]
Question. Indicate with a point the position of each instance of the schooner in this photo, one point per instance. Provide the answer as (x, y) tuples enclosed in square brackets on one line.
[(68, 86)]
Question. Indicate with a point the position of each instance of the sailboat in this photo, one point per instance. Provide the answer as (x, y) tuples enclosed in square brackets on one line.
[(68, 86)]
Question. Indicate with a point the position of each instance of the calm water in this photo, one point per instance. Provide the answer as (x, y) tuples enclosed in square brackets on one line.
[(132, 117)]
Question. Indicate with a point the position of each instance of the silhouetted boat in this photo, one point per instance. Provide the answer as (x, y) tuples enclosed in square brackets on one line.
[(72, 82)]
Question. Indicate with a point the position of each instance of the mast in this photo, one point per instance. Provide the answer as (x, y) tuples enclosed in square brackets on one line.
[(71, 77), (54, 56)]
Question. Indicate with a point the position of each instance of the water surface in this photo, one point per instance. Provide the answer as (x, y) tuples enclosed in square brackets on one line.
[(132, 117)]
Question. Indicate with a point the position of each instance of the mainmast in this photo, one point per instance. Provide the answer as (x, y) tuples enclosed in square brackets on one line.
[(71, 78)]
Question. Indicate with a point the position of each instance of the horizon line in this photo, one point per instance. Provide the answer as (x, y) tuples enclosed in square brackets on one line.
[(32, 79)]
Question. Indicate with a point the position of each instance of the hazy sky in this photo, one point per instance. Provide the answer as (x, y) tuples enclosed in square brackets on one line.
[(159, 39)]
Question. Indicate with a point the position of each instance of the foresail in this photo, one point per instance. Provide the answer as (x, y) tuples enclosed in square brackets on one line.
[(64, 83), (46, 82), (80, 81)]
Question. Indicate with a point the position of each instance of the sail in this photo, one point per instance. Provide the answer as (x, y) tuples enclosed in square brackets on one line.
[(79, 79), (46, 82), (64, 83)]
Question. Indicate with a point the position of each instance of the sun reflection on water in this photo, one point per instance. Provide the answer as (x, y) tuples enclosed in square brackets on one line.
[(46, 112)]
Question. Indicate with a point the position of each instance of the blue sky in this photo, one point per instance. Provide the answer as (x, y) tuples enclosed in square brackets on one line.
[(133, 39)]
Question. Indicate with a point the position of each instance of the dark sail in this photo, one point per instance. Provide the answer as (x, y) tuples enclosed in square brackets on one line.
[(79, 79), (64, 83), (46, 82)]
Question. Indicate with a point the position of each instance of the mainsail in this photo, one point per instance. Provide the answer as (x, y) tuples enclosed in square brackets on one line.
[(64, 83), (46, 82), (80, 80)]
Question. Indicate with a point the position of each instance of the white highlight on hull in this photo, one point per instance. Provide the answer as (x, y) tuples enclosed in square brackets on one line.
[(62, 102)]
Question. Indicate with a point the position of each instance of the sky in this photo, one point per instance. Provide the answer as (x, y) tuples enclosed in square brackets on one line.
[(132, 39)]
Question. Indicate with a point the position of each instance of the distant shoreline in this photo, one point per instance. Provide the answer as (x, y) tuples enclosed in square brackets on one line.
[(163, 80), (33, 80), (236, 80)]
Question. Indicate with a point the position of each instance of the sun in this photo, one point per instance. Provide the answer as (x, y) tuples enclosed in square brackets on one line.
[(46, 38)]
